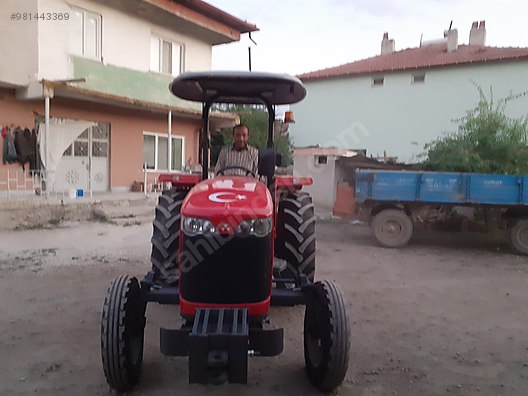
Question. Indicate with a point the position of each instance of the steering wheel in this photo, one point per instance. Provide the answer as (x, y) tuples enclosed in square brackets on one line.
[(221, 171)]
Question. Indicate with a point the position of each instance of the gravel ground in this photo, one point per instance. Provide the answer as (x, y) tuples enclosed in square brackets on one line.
[(444, 316)]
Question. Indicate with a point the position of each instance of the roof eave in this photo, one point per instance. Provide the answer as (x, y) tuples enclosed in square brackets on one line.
[(226, 27), (218, 14), (401, 69)]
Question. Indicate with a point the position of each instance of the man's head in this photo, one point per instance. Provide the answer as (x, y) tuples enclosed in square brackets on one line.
[(240, 136)]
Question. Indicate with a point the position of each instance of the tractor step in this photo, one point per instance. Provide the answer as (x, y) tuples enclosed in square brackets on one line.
[(218, 344)]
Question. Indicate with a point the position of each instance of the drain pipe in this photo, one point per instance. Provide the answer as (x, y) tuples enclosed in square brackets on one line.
[(145, 179), (90, 160), (46, 137), (169, 143)]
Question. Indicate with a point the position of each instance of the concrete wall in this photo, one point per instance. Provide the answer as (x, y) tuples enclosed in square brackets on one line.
[(18, 43), (53, 42), (126, 131), (324, 188), (45, 44), (126, 40), (400, 117)]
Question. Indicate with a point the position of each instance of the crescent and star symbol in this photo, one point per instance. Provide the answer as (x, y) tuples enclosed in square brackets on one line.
[(226, 197)]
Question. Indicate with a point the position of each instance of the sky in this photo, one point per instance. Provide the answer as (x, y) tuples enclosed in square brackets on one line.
[(297, 36)]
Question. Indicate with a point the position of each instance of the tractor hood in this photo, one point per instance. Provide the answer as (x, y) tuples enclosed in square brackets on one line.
[(228, 198)]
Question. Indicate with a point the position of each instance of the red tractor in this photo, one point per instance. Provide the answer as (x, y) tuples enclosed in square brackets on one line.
[(225, 249)]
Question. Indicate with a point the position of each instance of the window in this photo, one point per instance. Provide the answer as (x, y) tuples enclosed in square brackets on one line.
[(149, 151), (321, 160), (417, 78), (156, 150), (80, 148), (100, 135), (177, 154), (377, 81), (165, 56), (85, 35), (81, 145)]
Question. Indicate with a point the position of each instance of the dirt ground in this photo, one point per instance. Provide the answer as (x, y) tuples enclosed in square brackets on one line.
[(444, 316)]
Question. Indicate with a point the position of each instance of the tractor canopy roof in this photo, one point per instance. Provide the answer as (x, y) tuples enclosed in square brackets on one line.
[(238, 87)]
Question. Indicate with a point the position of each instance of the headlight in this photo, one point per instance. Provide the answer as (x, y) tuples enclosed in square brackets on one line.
[(257, 227), (193, 226)]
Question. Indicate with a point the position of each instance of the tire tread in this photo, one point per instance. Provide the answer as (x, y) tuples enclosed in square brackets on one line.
[(334, 321), (119, 371), (166, 235), (296, 238)]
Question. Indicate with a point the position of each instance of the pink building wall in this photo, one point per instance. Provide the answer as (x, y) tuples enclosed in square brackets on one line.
[(126, 131)]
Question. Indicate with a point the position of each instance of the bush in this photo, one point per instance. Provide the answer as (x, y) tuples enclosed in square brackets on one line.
[(487, 141)]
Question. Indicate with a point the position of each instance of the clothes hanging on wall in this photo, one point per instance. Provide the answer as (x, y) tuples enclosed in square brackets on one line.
[(29, 140), (9, 152), (35, 133), (22, 147), (34, 160)]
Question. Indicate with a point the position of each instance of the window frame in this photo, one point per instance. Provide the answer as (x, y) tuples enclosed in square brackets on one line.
[(321, 160), (69, 152), (101, 140), (99, 33), (420, 80), (157, 136), (159, 63), (378, 81)]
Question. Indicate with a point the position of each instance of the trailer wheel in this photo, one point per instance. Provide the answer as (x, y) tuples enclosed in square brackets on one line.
[(166, 236), (326, 336), (122, 331), (519, 236), (295, 240), (392, 228)]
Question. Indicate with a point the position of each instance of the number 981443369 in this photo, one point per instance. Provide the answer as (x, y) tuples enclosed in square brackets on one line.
[(42, 16)]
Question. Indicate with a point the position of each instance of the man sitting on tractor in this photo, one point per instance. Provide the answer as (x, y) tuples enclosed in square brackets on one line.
[(239, 159)]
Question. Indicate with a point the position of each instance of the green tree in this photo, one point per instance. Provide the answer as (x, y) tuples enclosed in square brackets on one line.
[(487, 141), (256, 118)]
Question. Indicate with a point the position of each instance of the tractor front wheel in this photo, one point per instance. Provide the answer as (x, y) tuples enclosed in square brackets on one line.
[(326, 336), (122, 333)]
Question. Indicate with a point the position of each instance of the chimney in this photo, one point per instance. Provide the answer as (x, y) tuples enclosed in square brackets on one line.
[(477, 35), (387, 46), (452, 39)]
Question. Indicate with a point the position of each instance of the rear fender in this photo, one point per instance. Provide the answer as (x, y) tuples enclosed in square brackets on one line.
[(180, 181), (284, 185), (292, 183)]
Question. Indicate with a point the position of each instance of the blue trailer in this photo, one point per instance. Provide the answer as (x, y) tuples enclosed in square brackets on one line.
[(394, 202)]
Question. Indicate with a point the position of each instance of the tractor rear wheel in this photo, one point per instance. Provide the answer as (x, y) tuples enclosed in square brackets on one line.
[(326, 336), (166, 236), (122, 333), (392, 228), (295, 241)]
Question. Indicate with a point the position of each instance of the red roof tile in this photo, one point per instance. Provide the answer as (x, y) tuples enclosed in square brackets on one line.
[(434, 55)]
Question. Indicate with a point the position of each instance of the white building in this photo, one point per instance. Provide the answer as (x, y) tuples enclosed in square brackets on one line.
[(321, 164), (394, 103), (105, 66)]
